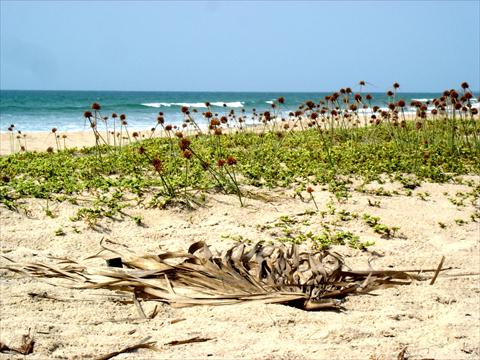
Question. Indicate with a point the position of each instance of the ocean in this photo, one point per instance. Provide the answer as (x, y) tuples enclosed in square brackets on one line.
[(43, 110)]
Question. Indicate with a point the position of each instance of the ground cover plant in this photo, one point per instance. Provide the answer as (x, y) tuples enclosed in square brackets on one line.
[(323, 142)]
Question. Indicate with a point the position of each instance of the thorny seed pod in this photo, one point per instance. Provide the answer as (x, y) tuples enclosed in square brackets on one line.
[(348, 90), (474, 111), (208, 114), (184, 109), (122, 117), (223, 120), (214, 122), (221, 162), (464, 85), (96, 106), (218, 131), (281, 100), (309, 190), (361, 83), (179, 134), (375, 108), (286, 126), (418, 125), (313, 116), (310, 104), (358, 97), (87, 114), (391, 106), (114, 115), (267, 115), (54, 130), (168, 127), (353, 107), (401, 103), (396, 85), (135, 134), (160, 120), (124, 123), (50, 150), (368, 97), (434, 112), (389, 93), (231, 160)]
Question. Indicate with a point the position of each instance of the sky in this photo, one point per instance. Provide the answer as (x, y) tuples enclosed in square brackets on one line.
[(238, 46)]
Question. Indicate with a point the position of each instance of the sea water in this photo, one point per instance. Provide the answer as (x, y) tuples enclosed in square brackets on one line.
[(43, 110)]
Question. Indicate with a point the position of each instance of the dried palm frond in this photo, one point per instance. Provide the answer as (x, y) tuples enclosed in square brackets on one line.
[(266, 273)]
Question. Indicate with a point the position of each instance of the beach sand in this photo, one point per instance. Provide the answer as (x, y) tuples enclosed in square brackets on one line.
[(434, 322)]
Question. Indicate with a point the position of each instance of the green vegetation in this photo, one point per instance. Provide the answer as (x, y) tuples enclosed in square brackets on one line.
[(260, 161)]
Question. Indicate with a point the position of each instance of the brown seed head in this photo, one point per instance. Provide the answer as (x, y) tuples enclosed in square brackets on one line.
[(187, 154), (281, 100), (464, 85), (231, 160), (160, 120), (208, 114), (87, 114), (179, 134), (214, 122), (396, 85), (157, 164), (123, 117), (221, 162), (309, 190), (184, 109), (96, 106), (54, 130), (184, 143)]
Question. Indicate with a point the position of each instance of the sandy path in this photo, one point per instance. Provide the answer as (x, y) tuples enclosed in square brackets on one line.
[(440, 321)]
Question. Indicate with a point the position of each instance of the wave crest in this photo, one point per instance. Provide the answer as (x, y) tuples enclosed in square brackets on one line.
[(232, 104)]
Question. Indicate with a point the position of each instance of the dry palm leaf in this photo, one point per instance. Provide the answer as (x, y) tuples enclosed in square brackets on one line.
[(265, 273)]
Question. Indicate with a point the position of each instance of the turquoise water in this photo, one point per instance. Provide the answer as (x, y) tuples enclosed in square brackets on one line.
[(43, 110)]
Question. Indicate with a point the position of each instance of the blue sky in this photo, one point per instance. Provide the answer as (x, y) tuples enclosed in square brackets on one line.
[(239, 46)]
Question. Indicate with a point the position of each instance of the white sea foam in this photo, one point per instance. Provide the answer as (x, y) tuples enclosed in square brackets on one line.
[(233, 104), (269, 101), (157, 105), (422, 100)]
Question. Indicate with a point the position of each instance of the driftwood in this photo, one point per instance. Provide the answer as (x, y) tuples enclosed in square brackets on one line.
[(262, 273)]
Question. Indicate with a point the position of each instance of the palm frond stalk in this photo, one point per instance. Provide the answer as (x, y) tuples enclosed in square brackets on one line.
[(263, 273)]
